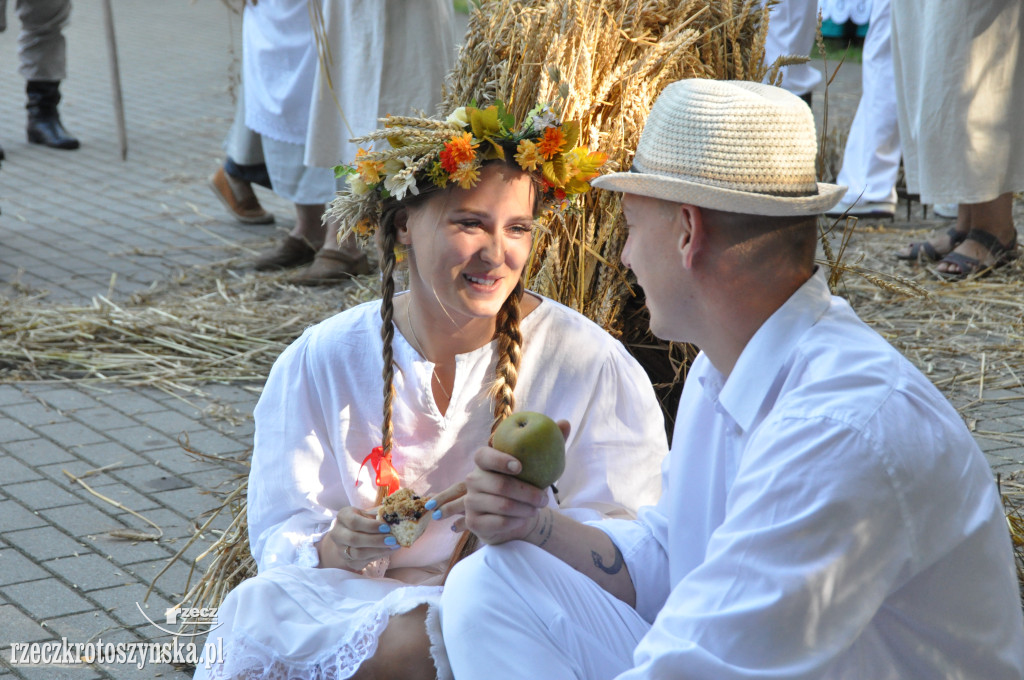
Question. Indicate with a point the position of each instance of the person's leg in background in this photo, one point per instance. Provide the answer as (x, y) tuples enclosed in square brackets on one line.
[(42, 57), (791, 28), (871, 159)]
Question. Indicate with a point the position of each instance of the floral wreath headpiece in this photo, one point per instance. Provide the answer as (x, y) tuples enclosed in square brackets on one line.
[(451, 152)]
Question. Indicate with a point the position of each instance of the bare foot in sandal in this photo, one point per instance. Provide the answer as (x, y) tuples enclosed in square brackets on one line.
[(980, 251), (937, 245)]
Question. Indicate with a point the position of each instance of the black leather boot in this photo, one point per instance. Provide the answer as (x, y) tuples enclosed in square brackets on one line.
[(43, 120)]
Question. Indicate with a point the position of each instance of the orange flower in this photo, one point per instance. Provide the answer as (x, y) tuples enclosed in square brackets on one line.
[(369, 171), (527, 155), (457, 152), (466, 175), (552, 143)]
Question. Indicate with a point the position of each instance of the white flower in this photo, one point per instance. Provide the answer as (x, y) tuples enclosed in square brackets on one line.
[(356, 184), (393, 166), (544, 119), (458, 116), (401, 182)]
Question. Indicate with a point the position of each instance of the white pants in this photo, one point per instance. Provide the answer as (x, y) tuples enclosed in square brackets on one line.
[(872, 157), (791, 28), (514, 611)]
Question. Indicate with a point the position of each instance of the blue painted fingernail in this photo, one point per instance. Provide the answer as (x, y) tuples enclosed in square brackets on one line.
[(395, 547), (390, 540), (437, 514), (454, 530), (431, 504), (384, 528)]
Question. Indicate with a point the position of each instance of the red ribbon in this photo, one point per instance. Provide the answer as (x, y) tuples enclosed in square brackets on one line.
[(386, 475)]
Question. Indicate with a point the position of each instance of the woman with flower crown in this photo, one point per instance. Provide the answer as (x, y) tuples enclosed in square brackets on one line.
[(400, 393)]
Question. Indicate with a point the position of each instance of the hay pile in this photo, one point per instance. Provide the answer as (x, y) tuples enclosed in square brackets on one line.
[(209, 324), (603, 63)]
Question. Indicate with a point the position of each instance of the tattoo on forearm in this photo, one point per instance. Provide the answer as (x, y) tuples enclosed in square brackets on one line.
[(547, 526), (615, 566)]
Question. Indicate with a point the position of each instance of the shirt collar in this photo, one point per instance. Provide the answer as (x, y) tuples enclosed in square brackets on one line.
[(770, 348)]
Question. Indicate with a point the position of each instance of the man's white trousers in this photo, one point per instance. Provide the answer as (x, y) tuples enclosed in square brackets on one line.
[(514, 611)]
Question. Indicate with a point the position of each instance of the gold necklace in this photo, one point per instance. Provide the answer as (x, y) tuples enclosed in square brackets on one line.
[(419, 347)]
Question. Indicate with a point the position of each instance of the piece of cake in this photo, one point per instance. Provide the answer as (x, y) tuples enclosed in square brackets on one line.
[(403, 511)]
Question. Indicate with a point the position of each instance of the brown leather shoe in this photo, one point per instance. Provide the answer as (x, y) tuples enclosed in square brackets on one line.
[(243, 206), (290, 252), (331, 266)]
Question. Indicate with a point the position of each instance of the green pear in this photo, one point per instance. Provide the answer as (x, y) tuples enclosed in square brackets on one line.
[(537, 442)]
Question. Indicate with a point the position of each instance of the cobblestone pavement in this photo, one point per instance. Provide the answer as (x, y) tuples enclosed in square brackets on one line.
[(69, 221)]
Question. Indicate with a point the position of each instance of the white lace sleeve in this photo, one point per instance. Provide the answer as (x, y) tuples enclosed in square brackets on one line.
[(306, 554)]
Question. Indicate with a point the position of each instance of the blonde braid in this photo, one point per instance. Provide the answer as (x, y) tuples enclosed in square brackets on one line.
[(387, 329), (510, 351)]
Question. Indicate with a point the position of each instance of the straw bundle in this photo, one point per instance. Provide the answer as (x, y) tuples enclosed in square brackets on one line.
[(603, 63), (209, 325)]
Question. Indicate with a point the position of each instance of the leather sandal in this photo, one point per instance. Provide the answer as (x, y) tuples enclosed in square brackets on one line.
[(331, 266), (925, 251), (245, 208), (969, 266), (290, 252)]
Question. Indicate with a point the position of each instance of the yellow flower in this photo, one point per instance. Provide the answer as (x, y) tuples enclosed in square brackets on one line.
[(527, 155), (364, 227), (466, 176)]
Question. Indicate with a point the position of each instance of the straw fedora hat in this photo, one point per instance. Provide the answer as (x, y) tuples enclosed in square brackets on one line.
[(728, 145)]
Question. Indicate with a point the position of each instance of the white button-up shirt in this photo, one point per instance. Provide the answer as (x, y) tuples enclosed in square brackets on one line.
[(826, 514)]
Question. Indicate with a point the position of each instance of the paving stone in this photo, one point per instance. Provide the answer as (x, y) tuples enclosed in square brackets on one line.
[(89, 571), (44, 543), (71, 434), (16, 568), (130, 403), (83, 627), (68, 399), (123, 603), (47, 598), (33, 413), (16, 517), (13, 431), (173, 582), (82, 520), (169, 422), (108, 453), (140, 438), (10, 394), (12, 471), (17, 627), (127, 552), (37, 451), (41, 494), (104, 418), (82, 672)]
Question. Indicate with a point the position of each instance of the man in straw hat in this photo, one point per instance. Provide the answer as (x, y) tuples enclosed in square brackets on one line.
[(825, 512)]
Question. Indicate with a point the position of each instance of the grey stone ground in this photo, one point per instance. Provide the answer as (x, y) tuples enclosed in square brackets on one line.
[(71, 219)]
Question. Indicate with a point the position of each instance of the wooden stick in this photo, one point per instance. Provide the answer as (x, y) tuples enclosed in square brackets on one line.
[(115, 78)]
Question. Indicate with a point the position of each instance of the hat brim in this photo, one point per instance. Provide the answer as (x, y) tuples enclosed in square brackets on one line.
[(718, 198)]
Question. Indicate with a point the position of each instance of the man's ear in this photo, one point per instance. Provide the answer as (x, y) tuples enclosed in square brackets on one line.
[(692, 233), (402, 227)]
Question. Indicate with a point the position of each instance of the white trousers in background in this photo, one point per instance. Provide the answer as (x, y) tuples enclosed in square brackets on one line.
[(791, 28), (872, 157), (513, 611)]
